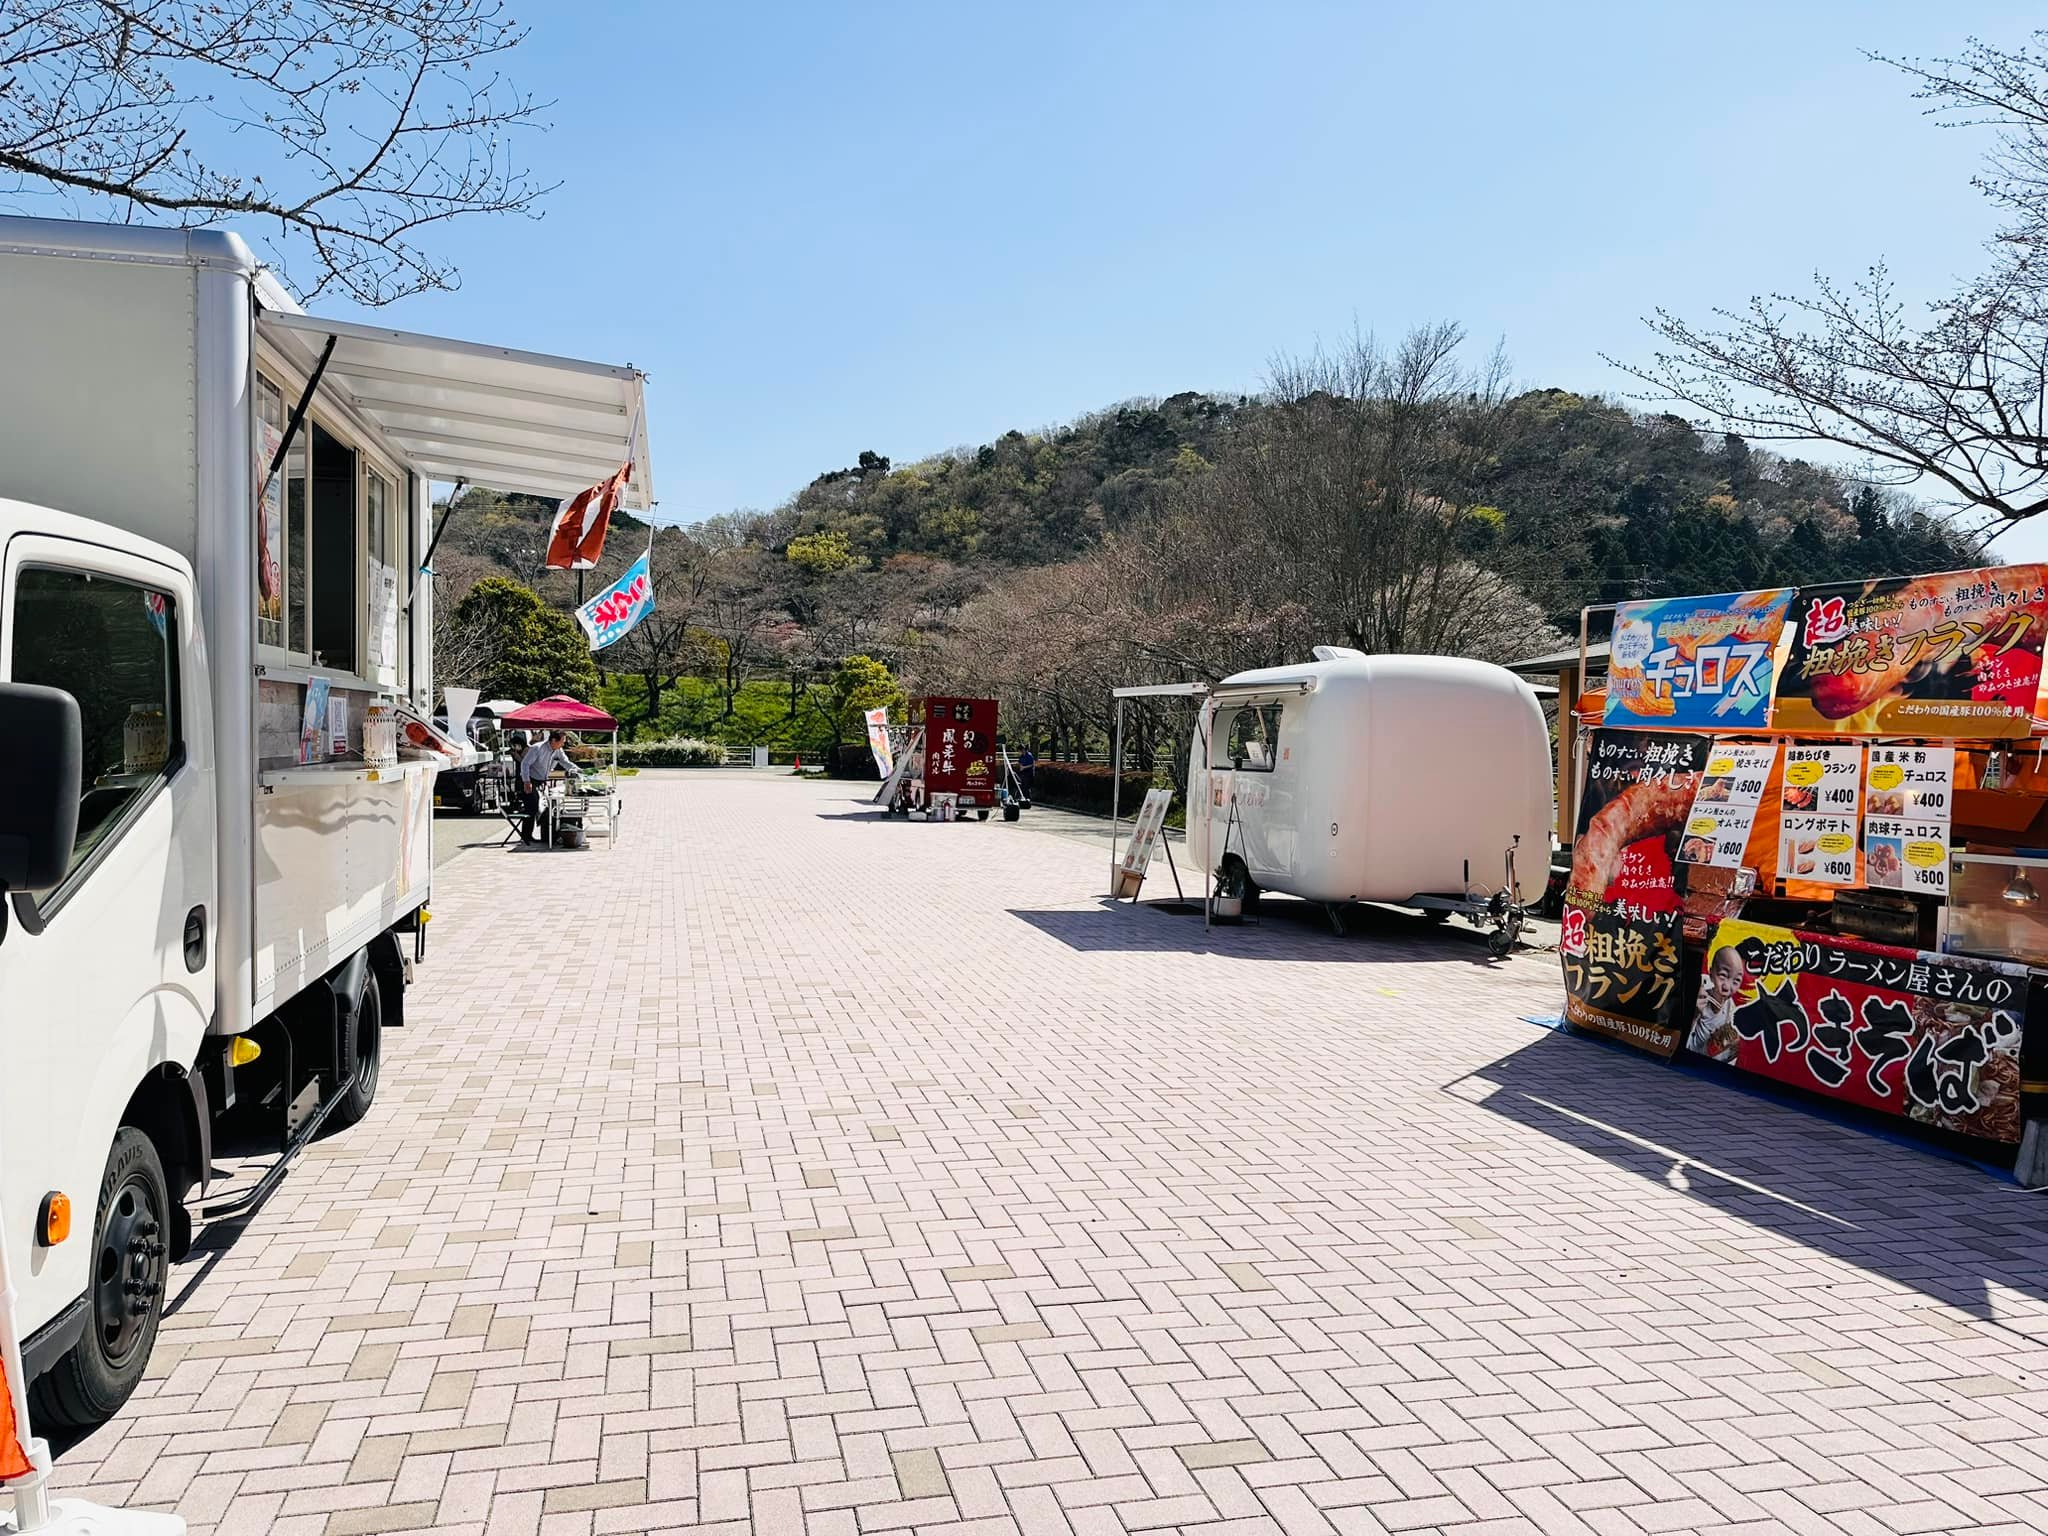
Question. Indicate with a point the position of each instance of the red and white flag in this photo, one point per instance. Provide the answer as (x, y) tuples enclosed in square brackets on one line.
[(577, 541)]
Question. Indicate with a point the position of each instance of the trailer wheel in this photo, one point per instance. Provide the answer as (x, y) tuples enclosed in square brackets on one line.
[(130, 1266), (365, 1056)]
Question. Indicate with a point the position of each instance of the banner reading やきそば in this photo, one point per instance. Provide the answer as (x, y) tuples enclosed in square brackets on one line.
[(1932, 1037)]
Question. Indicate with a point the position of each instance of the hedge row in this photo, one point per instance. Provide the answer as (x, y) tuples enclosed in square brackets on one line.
[(1086, 787), (676, 752)]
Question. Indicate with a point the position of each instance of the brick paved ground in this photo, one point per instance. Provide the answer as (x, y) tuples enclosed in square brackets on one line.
[(871, 1177)]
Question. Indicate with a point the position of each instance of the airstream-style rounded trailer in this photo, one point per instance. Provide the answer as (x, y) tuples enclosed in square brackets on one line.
[(1413, 780)]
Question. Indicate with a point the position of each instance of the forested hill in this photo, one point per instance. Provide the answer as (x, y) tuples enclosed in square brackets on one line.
[(1583, 499), (1617, 504)]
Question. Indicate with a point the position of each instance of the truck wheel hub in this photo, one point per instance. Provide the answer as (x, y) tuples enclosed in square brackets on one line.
[(128, 1278)]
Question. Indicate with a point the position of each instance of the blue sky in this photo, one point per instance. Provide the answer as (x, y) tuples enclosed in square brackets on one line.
[(827, 228)]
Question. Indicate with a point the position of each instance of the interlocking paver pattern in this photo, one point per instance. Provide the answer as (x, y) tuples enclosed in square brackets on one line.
[(789, 1170)]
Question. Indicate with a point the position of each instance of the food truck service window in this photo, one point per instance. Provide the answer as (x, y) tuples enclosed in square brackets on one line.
[(1249, 739), (327, 533)]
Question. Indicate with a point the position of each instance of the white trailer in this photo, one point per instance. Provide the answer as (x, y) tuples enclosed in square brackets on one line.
[(1418, 781), (198, 930)]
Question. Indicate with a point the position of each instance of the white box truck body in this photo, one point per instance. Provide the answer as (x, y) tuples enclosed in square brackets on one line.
[(220, 940)]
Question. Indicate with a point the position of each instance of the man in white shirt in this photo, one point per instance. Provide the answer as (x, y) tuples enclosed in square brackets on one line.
[(535, 769)]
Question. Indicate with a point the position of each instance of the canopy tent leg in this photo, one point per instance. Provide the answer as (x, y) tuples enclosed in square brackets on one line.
[(1116, 784)]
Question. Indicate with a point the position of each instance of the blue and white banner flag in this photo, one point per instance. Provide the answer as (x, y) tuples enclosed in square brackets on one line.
[(611, 615)]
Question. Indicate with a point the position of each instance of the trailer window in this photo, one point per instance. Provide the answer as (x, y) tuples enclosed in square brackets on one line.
[(111, 645), (1249, 739)]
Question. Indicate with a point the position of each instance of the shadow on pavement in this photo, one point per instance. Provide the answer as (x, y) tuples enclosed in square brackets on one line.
[(1853, 1184), (1283, 930)]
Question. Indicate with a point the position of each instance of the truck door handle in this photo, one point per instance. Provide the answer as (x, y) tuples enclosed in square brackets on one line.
[(195, 939)]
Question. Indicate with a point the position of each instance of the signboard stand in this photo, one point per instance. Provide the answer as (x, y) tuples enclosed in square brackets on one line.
[(1148, 834)]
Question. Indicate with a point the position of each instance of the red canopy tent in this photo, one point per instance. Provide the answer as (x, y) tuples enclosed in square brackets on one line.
[(560, 713)]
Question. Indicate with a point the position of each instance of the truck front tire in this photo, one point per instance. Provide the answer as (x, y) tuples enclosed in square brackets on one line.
[(130, 1266)]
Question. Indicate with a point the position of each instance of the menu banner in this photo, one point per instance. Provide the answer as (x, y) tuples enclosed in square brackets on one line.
[(1820, 821), (1701, 662), (1957, 654), (1619, 942), (1935, 1038), (1908, 801), (1724, 806)]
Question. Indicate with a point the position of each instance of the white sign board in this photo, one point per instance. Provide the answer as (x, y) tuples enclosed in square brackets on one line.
[(1724, 806), (1823, 802), (1909, 796), (1146, 831)]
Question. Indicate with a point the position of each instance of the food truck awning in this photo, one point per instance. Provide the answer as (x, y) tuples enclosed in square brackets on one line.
[(491, 416)]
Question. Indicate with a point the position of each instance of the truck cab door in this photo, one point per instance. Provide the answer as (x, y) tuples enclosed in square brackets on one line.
[(110, 974)]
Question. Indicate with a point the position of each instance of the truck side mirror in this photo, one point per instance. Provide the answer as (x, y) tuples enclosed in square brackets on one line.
[(40, 775)]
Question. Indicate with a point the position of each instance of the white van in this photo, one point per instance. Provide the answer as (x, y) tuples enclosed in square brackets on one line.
[(1411, 780)]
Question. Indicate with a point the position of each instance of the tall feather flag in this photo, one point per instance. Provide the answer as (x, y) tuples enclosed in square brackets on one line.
[(611, 615), (14, 1433), (576, 542)]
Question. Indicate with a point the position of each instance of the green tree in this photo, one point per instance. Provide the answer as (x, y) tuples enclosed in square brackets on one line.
[(520, 647), (821, 554), (860, 684)]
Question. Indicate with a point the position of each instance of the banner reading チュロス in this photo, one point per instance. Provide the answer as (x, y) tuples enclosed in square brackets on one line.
[(1702, 662)]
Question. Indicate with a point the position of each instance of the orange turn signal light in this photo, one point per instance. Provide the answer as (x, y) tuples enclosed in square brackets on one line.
[(53, 1221)]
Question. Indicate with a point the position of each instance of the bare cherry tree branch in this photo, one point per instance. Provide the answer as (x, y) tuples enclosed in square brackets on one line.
[(1957, 393), (356, 127)]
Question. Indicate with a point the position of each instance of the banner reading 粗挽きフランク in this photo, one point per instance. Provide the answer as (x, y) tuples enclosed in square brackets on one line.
[(1619, 943), (610, 616), (1956, 654), (1700, 663)]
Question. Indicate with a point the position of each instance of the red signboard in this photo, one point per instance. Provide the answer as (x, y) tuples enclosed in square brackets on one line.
[(1933, 1037), (960, 750)]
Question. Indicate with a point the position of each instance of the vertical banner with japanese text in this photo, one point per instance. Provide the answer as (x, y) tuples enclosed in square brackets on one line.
[(1935, 1038), (878, 742), (1620, 939)]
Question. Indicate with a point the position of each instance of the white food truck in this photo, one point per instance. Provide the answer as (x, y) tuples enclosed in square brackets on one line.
[(1419, 781), (214, 509)]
